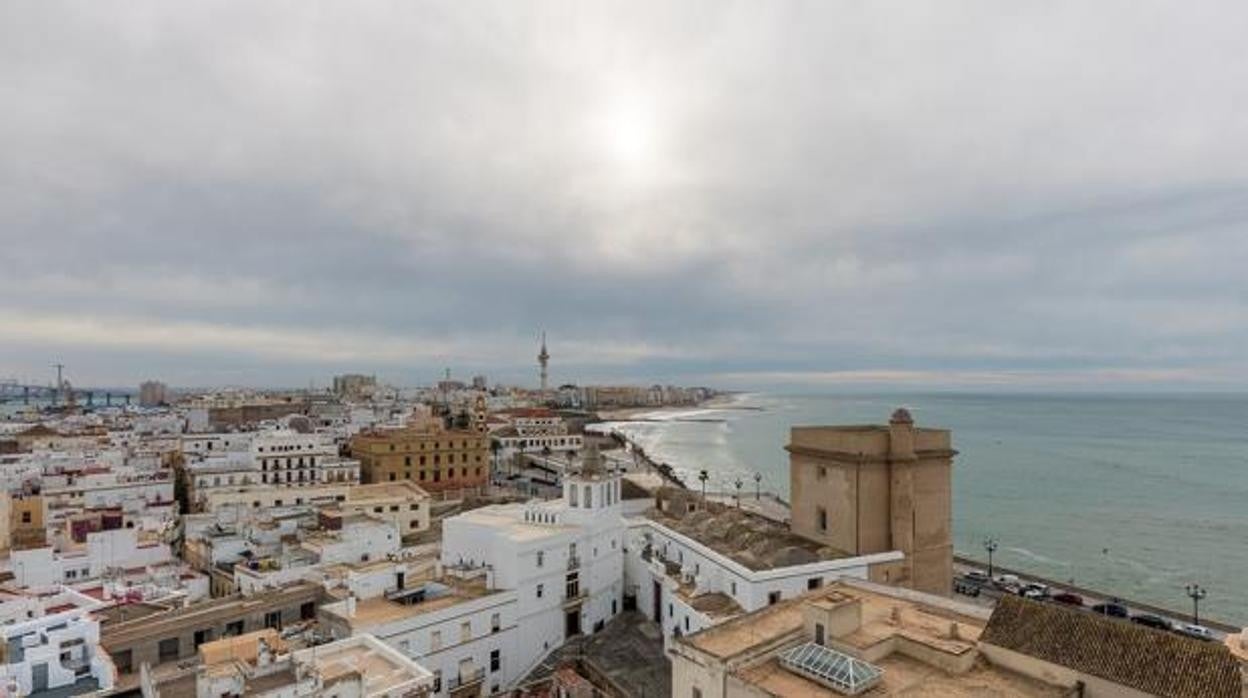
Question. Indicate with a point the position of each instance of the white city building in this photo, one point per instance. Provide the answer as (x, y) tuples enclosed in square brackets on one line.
[(104, 550), (564, 559), (282, 458), (534, 431), (53, 642), (689, 568)]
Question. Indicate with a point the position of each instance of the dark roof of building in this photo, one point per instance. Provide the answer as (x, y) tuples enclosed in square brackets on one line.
[(1148, 660)]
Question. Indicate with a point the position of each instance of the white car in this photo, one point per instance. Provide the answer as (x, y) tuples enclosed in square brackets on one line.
[(1199, 632)]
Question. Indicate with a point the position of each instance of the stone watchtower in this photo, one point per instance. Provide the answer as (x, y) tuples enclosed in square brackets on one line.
[(872, 489)]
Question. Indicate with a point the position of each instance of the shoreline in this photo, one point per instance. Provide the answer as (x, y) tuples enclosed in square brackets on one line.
[(725, 401)]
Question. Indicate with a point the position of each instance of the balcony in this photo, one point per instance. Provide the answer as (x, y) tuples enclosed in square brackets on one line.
[(468, 682), (574, 595)]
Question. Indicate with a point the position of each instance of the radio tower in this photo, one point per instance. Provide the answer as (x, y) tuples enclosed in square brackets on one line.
[(543, 359)]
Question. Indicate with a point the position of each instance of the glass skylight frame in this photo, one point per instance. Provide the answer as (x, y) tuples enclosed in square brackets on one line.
[(836, 670)]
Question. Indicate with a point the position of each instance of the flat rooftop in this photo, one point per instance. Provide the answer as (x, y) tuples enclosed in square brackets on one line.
[(508, 519), (380, 672), (750, 540), (887, 615), (884, 616), (381, 609), (385, 491), (907, 677)]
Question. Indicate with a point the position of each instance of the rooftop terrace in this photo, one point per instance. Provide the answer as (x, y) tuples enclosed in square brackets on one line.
[(888, 616), (421, 598)]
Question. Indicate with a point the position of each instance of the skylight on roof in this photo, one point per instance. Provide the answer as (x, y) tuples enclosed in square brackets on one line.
[(833, 669)]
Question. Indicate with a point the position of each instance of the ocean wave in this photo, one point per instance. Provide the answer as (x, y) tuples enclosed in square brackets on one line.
[(1036, 557)]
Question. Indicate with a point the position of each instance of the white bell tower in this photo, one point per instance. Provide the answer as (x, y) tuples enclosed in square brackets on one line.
[(591, 489)]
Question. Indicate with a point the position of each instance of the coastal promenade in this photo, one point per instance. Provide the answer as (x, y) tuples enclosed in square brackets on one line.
[(1091, 597)]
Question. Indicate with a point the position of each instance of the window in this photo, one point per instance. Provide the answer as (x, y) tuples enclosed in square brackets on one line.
[(734, 588), (273, 619), (819, 633), (814, 582), (168, 649), (773, 598), (393, 476), (821, 518), (122, 661), (25, 517), (686, 623), (414, 507), (541, 558), (822, 473), (465, 631), (496, 623), (435, 641), (589, 497), (404, 645), (234, 629), (437, 681), (496, 660), (697, 692), (540, 589)]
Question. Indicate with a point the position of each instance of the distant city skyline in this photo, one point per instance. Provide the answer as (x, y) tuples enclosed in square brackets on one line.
[(966, 195)]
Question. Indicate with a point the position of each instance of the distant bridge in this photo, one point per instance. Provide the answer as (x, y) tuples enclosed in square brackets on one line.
[(14, 391)]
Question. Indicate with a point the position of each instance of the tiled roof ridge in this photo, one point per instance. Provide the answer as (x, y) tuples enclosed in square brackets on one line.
[(1149, 660)]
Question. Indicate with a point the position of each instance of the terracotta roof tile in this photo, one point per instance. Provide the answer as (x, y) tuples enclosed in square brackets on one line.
[(1152, 661)]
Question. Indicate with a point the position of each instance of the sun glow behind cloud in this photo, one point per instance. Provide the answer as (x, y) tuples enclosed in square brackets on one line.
[(628, 133)]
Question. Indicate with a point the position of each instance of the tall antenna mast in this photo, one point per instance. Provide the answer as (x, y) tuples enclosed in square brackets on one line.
[(543, 360)]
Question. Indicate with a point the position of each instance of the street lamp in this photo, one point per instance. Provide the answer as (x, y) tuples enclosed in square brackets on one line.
[(758, 485), (1196, 592), (703, 476), (738, 484), (990, 544)]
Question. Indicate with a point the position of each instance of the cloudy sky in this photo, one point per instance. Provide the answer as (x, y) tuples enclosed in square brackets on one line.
[(1018, 195)]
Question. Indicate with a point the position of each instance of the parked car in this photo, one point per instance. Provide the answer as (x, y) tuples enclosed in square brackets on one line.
[(1068, 598), (967, 587), (1035, 590), (1007, 580), (1199, 632), (1151, 621), (977, 576), (1111, 608)]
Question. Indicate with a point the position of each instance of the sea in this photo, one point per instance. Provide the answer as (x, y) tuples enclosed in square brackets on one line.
[(1134, 495)]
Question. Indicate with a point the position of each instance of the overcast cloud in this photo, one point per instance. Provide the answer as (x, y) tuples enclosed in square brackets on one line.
[(757, 194)]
